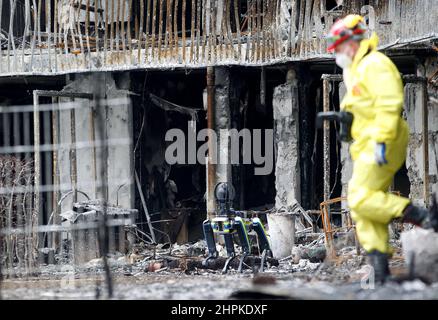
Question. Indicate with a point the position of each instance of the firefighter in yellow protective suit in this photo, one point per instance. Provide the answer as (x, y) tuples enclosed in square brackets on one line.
[(375, 98)]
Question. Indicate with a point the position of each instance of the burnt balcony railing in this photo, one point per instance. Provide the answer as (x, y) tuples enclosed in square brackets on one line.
[(59, 36)]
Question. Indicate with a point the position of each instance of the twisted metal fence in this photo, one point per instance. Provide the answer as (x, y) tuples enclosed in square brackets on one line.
[(55, 213)]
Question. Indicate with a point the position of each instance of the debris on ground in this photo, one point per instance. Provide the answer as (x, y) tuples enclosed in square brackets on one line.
[(421, 252), (176, 271)]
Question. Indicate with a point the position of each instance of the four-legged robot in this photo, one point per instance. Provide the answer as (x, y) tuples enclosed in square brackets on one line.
[(229, 222)]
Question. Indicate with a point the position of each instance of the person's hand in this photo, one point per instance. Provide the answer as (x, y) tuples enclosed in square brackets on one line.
[(380, 154)]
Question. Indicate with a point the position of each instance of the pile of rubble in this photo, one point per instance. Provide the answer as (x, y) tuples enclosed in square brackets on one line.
[(176, 272)]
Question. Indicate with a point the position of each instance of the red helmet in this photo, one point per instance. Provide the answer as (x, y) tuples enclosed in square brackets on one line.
[(350, 27)]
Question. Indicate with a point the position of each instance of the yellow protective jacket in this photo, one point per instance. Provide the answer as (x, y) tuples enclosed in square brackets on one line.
[(375, 97)]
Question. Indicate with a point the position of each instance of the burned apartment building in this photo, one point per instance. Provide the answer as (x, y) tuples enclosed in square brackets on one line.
[(191, 65)]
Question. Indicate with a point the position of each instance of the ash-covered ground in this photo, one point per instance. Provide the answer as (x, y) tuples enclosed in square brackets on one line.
[(164, 273)]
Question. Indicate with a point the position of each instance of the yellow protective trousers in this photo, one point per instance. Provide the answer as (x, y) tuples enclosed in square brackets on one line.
[(375, 98), (372, 206)]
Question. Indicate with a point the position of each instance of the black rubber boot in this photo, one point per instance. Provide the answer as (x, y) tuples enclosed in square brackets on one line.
[(379, 262), (426, 219), (415, 215)]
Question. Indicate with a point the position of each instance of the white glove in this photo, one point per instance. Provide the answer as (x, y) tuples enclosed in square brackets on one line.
[(380, 154)]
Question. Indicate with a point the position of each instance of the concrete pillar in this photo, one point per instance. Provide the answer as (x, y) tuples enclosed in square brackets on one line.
[(222, 123), (419, 246), (286, 138), (421, 252), (217, 99), (413, 115), (119, 124), (414, 101), (431, 65), (287, 165)]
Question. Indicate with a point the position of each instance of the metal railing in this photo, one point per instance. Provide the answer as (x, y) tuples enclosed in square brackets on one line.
[(55, 37), (41, 36), (55, 216)]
